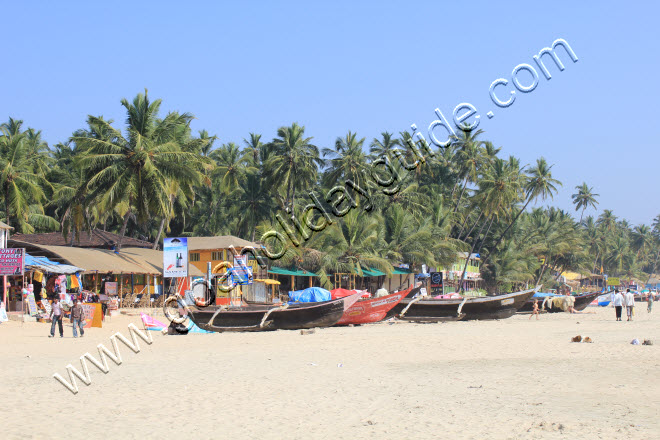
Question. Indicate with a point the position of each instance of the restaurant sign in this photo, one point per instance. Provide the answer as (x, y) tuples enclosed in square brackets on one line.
[(12, 261), (613, 282)]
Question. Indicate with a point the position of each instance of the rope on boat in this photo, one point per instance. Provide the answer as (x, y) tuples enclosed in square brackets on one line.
[(414, 300), (458, 312), (263, 320)]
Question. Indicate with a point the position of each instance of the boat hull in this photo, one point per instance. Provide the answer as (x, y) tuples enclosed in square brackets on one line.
[(480, 308), (371, 310), (581, 303), (265, 317)]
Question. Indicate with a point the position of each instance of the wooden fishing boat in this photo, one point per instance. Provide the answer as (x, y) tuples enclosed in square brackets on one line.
[(424, 309), (582, 301), (369, 310), (545, 303), (254, 317)]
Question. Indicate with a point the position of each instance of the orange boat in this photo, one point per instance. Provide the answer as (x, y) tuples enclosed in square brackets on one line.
[(372, 309)]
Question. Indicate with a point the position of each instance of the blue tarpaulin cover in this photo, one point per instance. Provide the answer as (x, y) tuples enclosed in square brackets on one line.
[(543, 295), (311, 294)]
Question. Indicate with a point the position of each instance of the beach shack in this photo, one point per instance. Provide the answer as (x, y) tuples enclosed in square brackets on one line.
[(4, 236), (217, 250), (134, 275)]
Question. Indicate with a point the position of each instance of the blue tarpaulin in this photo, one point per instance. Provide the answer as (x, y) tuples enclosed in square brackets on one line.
[(311, 294), (45, 265)]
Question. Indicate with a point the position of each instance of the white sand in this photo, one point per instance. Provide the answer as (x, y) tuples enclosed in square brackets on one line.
[(499, 379)]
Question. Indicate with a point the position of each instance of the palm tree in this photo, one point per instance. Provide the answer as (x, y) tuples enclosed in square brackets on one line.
[(135, 168), (539, 184), (229, 167), (347, 160), (385, 147), (21, 179), (498, 191), (293, 162), (254, 150), (584, 198), (351, 244)]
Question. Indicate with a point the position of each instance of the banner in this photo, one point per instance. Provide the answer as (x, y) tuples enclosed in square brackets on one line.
[(613, 281), (241, 273), (93, 315), (12, 261), (175, 257)]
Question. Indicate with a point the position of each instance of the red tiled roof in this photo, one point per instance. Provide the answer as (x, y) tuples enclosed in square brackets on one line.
[(97, 239)]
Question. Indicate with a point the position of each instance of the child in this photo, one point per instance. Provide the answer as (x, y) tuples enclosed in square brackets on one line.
[(535, 309)]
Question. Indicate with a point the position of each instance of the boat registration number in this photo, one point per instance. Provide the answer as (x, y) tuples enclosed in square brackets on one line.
[(506, 302)]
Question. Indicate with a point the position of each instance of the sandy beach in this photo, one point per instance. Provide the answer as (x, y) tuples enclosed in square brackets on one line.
[(506, 379)]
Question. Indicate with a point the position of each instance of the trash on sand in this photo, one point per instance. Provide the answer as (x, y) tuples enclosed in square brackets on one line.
[(635, 341), (647, 342), (588, 340), (578, 338)]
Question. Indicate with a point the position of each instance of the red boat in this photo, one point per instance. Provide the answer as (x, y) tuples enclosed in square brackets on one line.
[(371, 310)]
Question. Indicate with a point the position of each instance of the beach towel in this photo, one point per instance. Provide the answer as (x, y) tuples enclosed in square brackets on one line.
[(151, 323)]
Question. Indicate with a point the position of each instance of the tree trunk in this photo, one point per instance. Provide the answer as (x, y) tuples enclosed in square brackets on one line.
[(160, 231), (123, 229), (467, 217), (486, 234), (458, 202), (472, 228), (499, 240), (546, 264), (467, 260), (7, 206)]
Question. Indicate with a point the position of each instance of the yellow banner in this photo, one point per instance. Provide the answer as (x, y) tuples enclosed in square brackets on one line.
[(613, 282)]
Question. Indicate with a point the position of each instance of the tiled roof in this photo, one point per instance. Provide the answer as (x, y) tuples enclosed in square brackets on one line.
[(97, 239)]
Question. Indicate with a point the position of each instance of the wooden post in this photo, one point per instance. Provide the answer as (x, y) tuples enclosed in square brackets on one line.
[(310, 281), (293, 285)]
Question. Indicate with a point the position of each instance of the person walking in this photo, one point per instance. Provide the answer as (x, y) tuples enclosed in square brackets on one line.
[(78, 318), (650, 302), (630, 304), (56, 318), (618, 304), (535, 309)]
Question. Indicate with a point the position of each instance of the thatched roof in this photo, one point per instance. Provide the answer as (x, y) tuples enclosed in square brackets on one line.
[(218, 242), (5, 226), (94, 239), (128, 260)]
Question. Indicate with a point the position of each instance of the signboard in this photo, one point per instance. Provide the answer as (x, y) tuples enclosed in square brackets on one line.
[(241, 273), (93, 315), (613, 282), (32, 304), (46, 304), (3, 312), (12, 261), (423, 292), (175, 257), (436, 283), (111, 288)]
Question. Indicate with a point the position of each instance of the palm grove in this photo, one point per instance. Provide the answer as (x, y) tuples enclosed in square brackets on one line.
[(155, 178)]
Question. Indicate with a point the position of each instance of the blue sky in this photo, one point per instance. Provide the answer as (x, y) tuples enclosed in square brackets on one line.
[(361, 66)]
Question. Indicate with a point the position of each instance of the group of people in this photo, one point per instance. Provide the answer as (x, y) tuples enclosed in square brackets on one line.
[(77, 318), (626, 300)]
